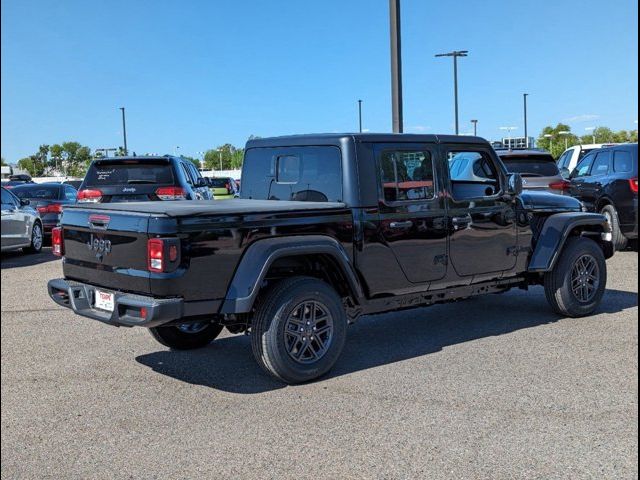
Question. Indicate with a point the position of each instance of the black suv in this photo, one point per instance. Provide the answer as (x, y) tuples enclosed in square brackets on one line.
[(135, 179), (606, 181)]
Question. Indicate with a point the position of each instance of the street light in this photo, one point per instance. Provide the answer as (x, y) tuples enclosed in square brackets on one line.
[(396, 66), (593, 133), (124, 132), (475, 127), (455, 54), (565, 134), (550, 137), (220, 152), (526, 131), (360, 114), (509, 130)]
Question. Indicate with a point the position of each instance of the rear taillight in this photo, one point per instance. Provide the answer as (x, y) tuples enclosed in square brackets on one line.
[(563, 185), (57, 243), (633, 183), (89, 195), (53, 208), (171, 193), (155, 255)]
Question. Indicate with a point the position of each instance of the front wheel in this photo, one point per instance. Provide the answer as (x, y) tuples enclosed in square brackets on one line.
[(187, 336), (574, 288), (299, 329)]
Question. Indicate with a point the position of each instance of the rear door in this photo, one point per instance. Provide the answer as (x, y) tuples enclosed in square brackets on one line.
[(592, 184), (412, 211), (482, 219), (106, 248), (11, 224)]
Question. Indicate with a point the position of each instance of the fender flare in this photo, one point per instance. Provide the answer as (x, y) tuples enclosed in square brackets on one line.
[(258, 258), (555, 232)]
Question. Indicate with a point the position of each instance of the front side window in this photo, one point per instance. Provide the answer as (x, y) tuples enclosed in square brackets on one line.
[(7, 198), (622, 162), (312, 174), (406, 175), (601, 164), (582, 170), (473, 174)]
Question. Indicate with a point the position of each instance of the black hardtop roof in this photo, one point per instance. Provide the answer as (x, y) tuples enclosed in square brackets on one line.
[(340, 138)]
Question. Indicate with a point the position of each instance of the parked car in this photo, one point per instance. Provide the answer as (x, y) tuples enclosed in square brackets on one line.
[(223, 188), (568, 161), (537, 168), (394, 231), (48, 199), (606, 181), (21, 225), (135, 179)]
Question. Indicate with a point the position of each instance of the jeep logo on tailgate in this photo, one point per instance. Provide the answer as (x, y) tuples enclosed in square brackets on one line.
[(100, 246)]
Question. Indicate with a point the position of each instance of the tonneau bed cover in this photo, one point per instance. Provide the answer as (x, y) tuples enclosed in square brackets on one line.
[(208, 207)]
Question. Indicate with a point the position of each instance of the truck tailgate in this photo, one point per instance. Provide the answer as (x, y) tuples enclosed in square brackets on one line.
[(108, 249)]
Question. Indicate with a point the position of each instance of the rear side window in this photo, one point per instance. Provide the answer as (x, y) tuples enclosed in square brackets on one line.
[(37, 191), (601, 164), (293, 173), (406, 175), (129, 174), (622, 162), (531, 165), (219, 182)]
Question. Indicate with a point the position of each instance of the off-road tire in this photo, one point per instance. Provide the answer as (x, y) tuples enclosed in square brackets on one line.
[(558, 282), (273, 313), (177, 339)]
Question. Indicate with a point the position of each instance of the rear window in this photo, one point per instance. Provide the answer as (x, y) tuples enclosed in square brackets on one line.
[(45, 192), (532, 165), (129, 174), (219, 182), (293, 173)]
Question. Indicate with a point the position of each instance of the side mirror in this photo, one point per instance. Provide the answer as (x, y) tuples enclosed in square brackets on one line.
[(24, 202), (564, 171), (514, 184)]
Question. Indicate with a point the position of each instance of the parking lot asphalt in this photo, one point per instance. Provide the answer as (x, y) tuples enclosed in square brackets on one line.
[(492, 387)]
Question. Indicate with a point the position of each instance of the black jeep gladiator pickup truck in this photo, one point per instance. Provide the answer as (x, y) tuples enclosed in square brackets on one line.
[(328, 228)]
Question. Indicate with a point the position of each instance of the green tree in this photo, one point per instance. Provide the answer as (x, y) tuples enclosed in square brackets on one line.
[(226, 156), (552, 140), (33, 165), (56, 157), (3, 162), (195, 161)]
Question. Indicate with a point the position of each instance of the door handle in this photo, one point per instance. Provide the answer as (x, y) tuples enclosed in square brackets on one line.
[(461, 222), (407, 224)]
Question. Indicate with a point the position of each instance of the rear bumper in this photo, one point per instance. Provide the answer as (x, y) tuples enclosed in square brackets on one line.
[(127, 307)]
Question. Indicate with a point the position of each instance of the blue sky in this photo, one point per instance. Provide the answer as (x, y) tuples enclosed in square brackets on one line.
[(196, 74)]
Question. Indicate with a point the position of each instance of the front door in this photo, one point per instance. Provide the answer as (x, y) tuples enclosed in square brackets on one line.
[(482, 219), (412, 213)]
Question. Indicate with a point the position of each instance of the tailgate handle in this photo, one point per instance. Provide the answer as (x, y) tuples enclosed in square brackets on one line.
[(99, 222)]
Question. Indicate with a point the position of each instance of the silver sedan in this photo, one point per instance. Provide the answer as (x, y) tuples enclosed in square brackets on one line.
[(21, 224)]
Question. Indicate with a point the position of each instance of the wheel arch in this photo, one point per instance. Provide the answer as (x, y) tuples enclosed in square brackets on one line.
[(559, 227), (263, 256)]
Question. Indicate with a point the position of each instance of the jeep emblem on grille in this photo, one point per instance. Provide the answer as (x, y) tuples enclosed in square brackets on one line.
[(100, 246)]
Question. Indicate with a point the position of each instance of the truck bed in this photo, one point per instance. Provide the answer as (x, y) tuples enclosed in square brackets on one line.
[(208, 207)]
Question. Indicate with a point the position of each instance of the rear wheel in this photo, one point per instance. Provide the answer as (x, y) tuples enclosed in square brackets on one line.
[(37, 238), (187, 336), (620, 242), (575, 286), (299, 329)]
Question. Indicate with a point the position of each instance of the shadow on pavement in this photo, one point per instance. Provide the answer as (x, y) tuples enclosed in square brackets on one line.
[(19, 259), (228, 364)]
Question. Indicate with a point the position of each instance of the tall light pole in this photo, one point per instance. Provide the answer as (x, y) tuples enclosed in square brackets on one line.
[(550, 137), (565, 134), (475, 127), (124, 132), (526, 130), (455, 55), (396, 66), (593, 133), (509, 130), (220, 152), (360, 114)]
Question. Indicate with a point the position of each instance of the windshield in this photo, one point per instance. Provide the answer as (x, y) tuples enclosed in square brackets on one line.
[(44, 192), (129, 173), (311, 174), (531, 165), (219, 182)]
